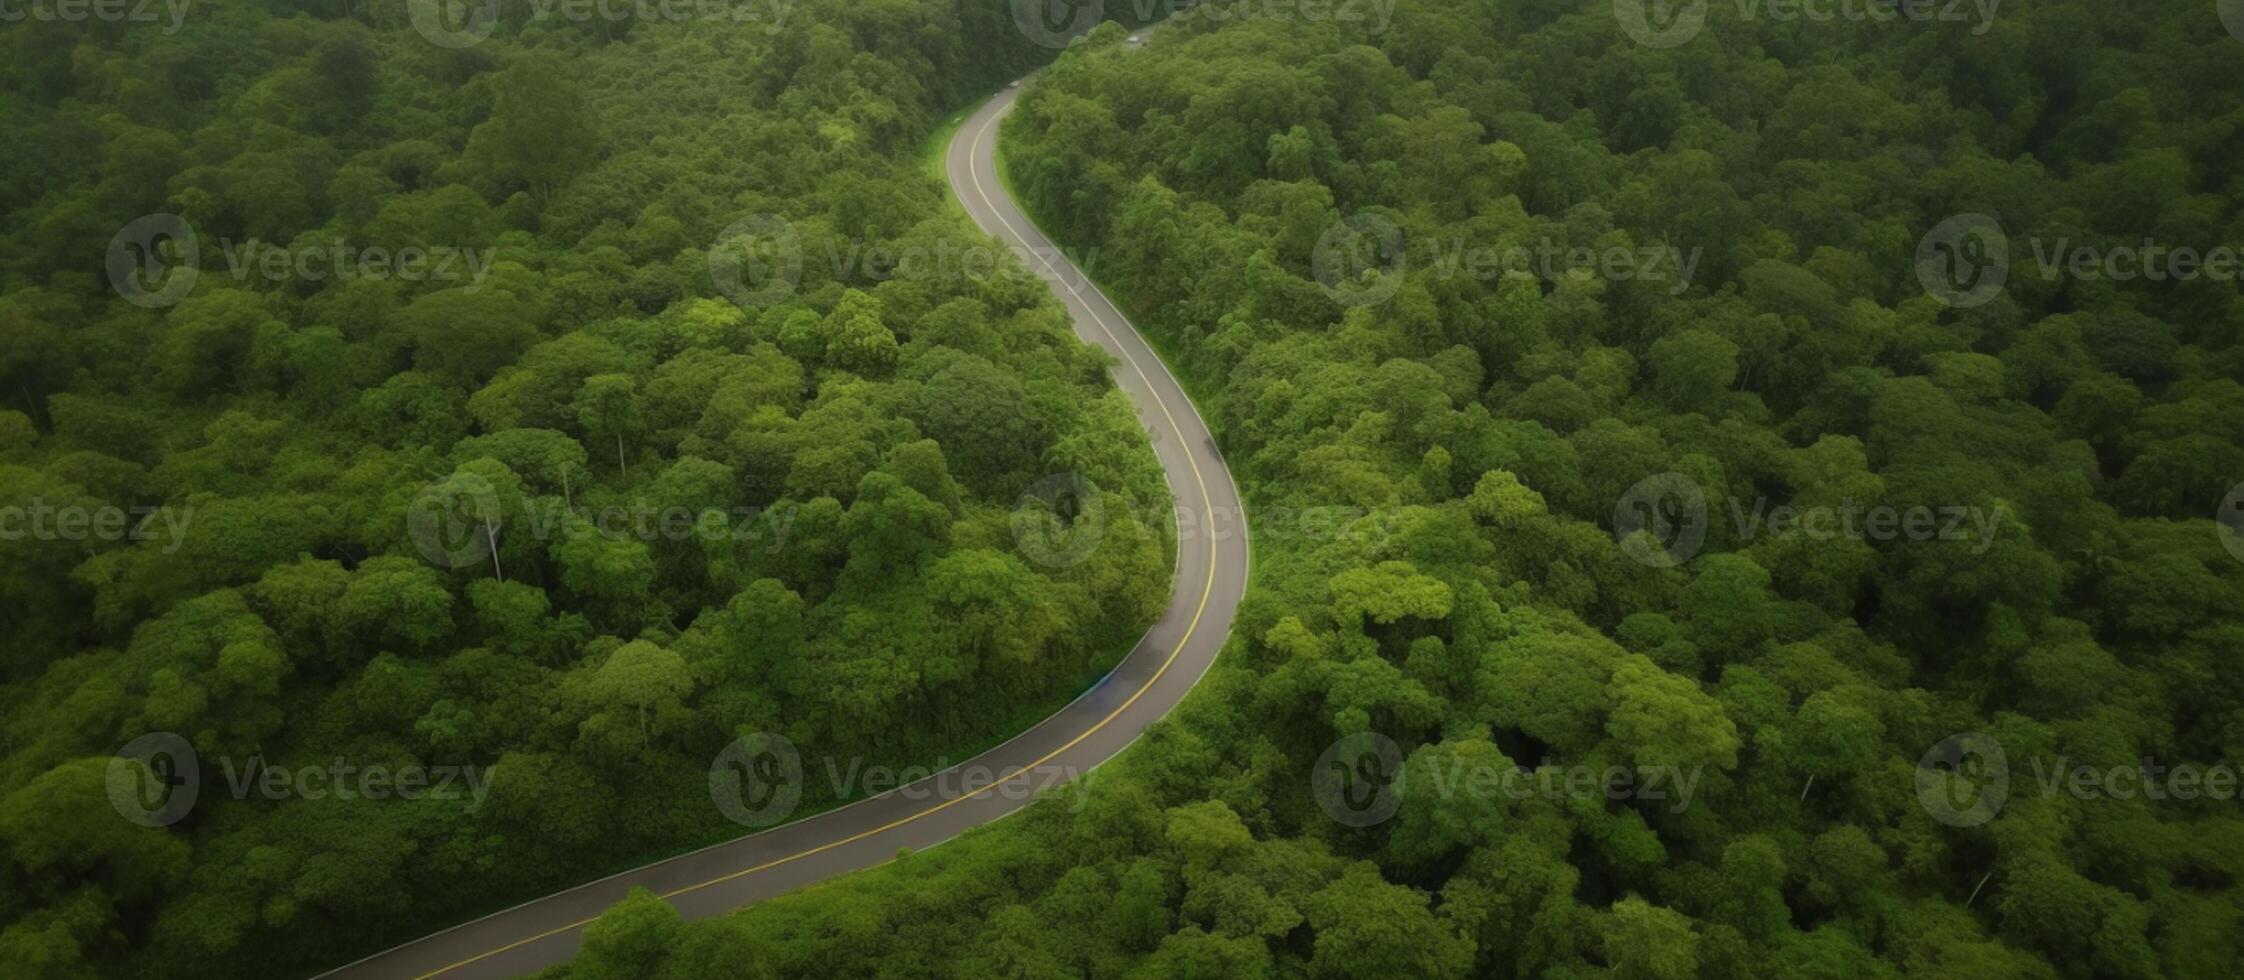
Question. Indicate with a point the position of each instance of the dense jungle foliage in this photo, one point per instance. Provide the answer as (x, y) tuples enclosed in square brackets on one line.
[(845, 449), (1489, 427)]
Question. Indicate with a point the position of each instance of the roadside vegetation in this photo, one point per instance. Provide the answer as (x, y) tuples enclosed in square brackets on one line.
[(2073, 604), (563, 514)]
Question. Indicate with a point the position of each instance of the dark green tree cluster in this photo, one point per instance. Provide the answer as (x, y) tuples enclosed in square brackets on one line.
[(686, 518), (1491, 620)]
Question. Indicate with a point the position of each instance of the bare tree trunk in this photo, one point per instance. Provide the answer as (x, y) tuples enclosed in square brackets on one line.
[(491, 534)]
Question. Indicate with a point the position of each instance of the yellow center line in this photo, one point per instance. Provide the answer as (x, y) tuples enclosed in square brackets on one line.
[(1206, 589)]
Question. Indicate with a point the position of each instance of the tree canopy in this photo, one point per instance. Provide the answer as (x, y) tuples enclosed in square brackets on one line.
[(1237, 177), (569, 516)]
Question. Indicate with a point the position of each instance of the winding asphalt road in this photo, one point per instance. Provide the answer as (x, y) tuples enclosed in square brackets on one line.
[(1211, 576)]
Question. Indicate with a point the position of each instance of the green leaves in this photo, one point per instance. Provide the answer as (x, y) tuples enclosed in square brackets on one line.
[(541, 128), (1389, 592), (630, 939), (1365, 926), (1663, 720), (655, 518), (856, 339)]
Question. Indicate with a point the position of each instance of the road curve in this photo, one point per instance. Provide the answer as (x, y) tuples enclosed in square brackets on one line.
[(1211, 575)]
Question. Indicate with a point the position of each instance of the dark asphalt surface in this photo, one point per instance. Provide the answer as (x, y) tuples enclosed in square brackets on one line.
[(1211, 577)]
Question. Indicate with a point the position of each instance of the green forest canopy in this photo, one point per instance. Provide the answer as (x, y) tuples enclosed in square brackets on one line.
[(1494, 423), (1484, 614), (858, 437)]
